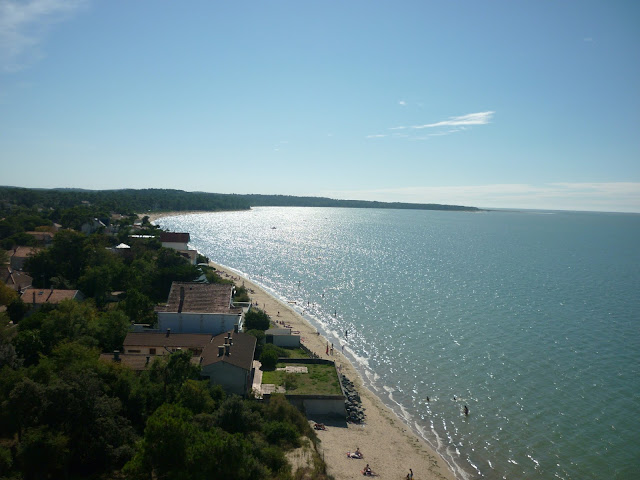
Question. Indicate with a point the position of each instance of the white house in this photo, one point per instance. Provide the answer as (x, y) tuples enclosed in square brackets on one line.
[(180, 243), (200, 308), (282, 337), (177, 241)]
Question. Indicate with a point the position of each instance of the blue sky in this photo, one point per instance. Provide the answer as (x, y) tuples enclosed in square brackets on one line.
[(528, 104)]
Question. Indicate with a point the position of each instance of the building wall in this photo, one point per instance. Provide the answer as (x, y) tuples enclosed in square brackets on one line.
[(285, 340), (158, 350), (233, 379), (185, 322), (175, 245)]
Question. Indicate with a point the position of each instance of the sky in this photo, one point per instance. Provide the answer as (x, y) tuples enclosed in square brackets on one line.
[(498, 104)]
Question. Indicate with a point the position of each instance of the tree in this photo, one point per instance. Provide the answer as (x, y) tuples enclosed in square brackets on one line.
[(256, 319), (195, 396), (43, 453), (172, 373), (269, 359), (110, 329), (17, 309), (7, 294)]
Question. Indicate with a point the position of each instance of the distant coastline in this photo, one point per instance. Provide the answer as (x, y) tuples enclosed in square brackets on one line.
[(169, 200)]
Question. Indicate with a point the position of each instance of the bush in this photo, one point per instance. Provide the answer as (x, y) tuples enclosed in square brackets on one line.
[(269, 359), (281, 433), (256, 319)]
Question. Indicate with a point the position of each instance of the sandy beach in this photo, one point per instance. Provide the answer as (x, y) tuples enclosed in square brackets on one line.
[(389, 446)]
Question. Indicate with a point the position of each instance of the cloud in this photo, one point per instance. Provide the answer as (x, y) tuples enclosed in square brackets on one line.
[(403, 103), (460, 123), (23, 25), (376, 136), (480, 118), (603, 197)]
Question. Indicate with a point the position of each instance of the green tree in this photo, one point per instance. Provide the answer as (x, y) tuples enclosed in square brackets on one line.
[(269, 359), (43, 454), (172, 372), (256, 319), (109, 329)]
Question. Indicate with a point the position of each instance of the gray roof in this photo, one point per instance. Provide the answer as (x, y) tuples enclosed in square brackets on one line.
[(200, 298), (240, 353), (161, 339)]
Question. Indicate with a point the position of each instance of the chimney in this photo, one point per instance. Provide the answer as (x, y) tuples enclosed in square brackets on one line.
[(220, 350), (181, 300), (226, 341), (168, 332), (227, 348), (116, 355)]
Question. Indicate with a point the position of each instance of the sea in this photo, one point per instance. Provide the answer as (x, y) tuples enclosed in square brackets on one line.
[(529, 318)]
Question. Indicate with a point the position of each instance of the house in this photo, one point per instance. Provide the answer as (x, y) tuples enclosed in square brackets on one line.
[(200, 308), (36, 297), (180, 243), (282, 337), (228, 361), (15, 279), (42, 238), (177, 241), (20, 255), (92, 226), (225, 359)]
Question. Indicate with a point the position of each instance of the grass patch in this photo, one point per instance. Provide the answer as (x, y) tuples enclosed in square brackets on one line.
[(321, 380), (297, 353)]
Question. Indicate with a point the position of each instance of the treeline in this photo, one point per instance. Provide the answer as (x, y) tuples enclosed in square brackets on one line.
[(162, 200)]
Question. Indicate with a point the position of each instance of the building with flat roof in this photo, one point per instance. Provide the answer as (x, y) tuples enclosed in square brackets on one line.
[(200, 308)]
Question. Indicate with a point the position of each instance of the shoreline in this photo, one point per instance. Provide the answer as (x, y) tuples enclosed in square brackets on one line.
[(403, 448)]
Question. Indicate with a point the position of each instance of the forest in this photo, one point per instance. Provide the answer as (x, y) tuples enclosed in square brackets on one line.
[(164, 200)]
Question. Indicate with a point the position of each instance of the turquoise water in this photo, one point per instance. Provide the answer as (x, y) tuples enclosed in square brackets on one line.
[(531, 319)]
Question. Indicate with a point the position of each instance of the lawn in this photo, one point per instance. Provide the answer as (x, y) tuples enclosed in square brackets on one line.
[(321, 380)]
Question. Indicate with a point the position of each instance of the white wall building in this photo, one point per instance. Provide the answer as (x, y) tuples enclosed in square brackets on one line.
[(199, 308)]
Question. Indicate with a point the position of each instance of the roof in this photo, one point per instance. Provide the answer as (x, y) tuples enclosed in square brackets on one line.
[(53, 296), (25, 251), (123, 245), (137, 361), (240, 353), (174, 237), (200, 298), (15, 279), (161, 339)]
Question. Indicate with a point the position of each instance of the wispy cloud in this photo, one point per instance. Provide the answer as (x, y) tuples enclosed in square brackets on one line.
[(480, 118), (24, 24), (442, 128), (604, 197), (403, 103)]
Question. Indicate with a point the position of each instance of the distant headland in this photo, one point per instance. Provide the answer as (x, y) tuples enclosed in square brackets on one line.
[(164, 200)]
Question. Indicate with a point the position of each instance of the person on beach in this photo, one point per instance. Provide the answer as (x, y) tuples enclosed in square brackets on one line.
[(367, 470), (410, 474)]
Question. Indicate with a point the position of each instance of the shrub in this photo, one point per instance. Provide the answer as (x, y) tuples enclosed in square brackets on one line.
[(256, 319), (269, 359)]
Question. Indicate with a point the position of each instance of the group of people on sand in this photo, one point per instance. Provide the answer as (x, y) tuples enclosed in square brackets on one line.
[(366, 471)]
